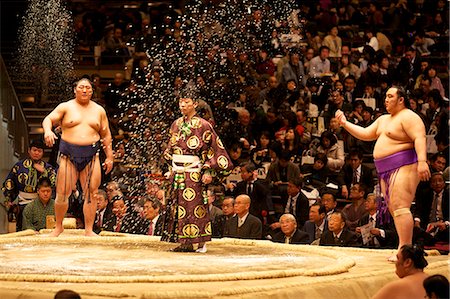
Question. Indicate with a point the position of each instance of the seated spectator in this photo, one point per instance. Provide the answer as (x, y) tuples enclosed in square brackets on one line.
[(329, 201), (280, 172), (213, 210), (320, 65), (289, 233), (423, 44), (293, 71), (36, 212), (243, 225), (261, 205), (104, 211), (153, 223), (114, 94), (436, 286), (356, 115), (260, 154), (220, 222), (336, 102), (317, 223), (381, 235), (436, 107), (337, 234), (409, 268), (348, 68), (438, 162), (372, 41), (114, 48), (334, 152), (293, 145), (356, 210), (264, 64), (123, 219), (432, 208), (317, 174), (333, 42), (355, 172)]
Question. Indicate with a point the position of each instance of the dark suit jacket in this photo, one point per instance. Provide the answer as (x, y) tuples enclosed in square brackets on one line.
[(107, 215), (310, 229), (143, 226), (250, 229), (261, 199), (298, 237), (129, 225), (366, 177), (390, 240), (424, 201), (301, 209), (347, 239)]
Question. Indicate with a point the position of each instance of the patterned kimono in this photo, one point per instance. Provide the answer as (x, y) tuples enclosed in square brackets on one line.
[(23, 177), (193, 140)]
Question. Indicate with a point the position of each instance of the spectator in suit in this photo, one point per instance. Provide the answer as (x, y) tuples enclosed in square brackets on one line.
[(294, 70), (297, 204), (409, 268), (213, 210), (432, 208), (438, 162), (261, 204), (153, 224), (123, 220), (356, 210), (408, 68), (355, 172), (381, 236), (280, 172), (243, 225), (317, 223), (338, 234), (220, 222), (289, 233), (104, 211), (329, 201)]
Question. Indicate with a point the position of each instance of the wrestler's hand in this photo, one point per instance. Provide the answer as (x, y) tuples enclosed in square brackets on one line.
[(108, 165), (423, 170), (49, 138), (340, 117), (39, 167), (206, 179)]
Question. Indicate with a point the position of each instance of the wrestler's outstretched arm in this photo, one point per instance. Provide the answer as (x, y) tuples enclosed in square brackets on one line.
[(366, 134), (415, 129), (53, 118)]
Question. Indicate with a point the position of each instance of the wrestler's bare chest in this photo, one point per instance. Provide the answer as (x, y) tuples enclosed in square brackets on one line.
[(81, 117), (391, 127)]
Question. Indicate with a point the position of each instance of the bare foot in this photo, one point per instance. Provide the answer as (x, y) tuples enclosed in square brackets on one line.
[(90, 234), (56, 232)]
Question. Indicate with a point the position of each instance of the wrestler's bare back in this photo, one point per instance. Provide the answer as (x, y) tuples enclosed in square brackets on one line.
[(81, 124), (392, 137)]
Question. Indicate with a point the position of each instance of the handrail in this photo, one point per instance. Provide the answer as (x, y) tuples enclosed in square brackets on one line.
[(12, 113)]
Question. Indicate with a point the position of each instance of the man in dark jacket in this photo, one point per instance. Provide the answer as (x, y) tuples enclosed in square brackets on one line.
[(337, 234)]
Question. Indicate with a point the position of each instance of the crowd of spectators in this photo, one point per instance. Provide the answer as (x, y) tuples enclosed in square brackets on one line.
[(295, 168)]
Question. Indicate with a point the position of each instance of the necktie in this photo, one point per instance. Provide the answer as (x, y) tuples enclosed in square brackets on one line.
[(433, 214), (411, 68), (287, 240), (249, 188), (336, 240), (118, 225), (150, 229), (355, 176), (318, 233)]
